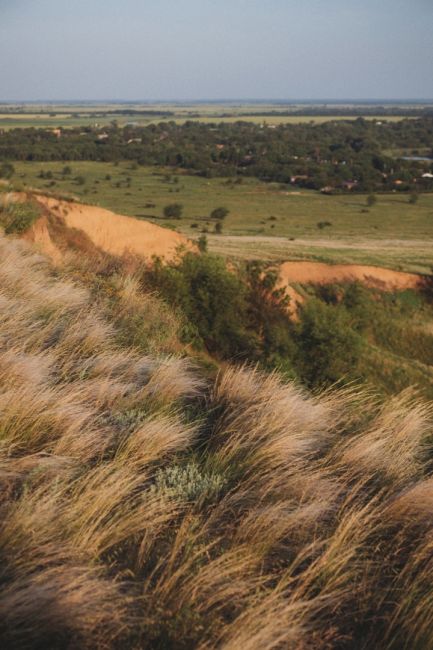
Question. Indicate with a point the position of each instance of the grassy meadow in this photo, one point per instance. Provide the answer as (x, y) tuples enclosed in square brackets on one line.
[(145, 505), (73, 115), (265, 220)]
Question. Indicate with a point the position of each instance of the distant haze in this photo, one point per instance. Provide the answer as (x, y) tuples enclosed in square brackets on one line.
[(215, 49)]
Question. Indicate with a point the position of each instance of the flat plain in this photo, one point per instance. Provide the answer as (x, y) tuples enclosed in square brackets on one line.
[(91, 114), (265, 220)]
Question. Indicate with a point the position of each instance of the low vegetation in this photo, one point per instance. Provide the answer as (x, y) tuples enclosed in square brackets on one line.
[(339, 331), (146, 506), (16, 217), (277, 222)]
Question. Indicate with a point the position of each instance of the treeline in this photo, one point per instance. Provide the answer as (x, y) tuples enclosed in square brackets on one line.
[(355, 155), (343, 111)]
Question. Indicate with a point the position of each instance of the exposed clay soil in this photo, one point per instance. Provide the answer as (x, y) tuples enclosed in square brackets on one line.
[(109, 232), (119, 235), (39, 234), (371, 276)]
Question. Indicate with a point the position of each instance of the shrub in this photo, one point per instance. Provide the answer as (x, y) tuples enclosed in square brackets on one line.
[(173, 211), (202, 243), (7, 170), (18, 217), (328, 348), (219, 213), (268, 314), (211, 297), (188, 482)]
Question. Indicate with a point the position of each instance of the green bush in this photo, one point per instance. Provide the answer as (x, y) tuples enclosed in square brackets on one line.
[(7, 170), (328, 348), (219, 213), (212, 298), (173, 211), (202, 243), (18, 217), (269, 317)]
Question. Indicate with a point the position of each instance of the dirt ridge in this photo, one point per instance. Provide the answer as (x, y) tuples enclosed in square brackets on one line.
[(371, 276), (109, 232)]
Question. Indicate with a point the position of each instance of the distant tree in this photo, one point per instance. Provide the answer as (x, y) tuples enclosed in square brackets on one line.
[(7, 170), (371, 200), (173, 211), (202, 243), (219, 213)]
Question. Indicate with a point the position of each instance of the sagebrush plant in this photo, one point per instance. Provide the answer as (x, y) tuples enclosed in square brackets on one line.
[(143, 507)]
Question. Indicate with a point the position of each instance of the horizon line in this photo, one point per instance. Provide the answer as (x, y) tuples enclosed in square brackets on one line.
[(296, 101)]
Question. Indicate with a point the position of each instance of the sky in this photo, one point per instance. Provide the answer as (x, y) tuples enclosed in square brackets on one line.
[(215, 49)]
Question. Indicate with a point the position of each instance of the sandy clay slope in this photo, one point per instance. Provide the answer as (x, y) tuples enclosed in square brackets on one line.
[(371, 276), (109, 232)]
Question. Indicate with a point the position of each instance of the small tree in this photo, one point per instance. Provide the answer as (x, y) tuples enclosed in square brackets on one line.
[(173, 211), (7, 170), (219, 213), (202, 244), (67, 171), (328, 348), (371, 200), (218, 228)]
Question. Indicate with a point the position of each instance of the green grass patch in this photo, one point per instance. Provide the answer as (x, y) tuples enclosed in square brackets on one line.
[(264, 220)]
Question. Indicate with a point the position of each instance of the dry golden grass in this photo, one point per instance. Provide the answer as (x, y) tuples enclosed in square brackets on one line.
[(142, 507)]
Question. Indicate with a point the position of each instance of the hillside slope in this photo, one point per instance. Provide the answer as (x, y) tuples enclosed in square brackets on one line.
[(143, 507), (370, 276), (108, 232)]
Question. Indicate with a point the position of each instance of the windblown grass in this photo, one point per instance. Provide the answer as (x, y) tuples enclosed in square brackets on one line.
[(143, 507)]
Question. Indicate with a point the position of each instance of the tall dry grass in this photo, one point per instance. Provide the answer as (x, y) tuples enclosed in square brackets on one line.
[(142, 507)]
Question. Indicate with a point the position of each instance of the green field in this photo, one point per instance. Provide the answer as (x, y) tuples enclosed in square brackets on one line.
[(74, 115), (265, 220)]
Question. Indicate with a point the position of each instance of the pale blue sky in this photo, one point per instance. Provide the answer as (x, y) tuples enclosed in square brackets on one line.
[(215, 49)]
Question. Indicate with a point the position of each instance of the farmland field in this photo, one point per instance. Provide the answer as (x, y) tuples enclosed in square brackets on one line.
[(89, 114), (265, 220)]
